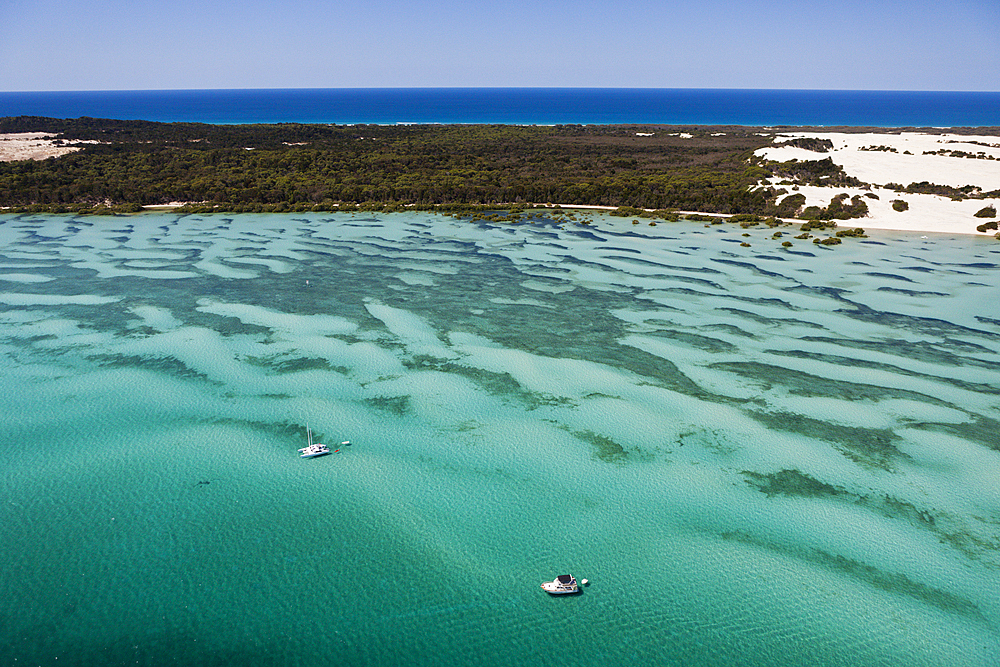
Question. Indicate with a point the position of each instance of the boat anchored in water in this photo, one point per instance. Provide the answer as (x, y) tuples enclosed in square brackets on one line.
[(313, 449), (561, 585)]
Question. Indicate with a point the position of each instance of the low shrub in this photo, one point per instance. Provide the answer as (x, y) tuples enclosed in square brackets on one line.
[(817, 224), (856, 232)]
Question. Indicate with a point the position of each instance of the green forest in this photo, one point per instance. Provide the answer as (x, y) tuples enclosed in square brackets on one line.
[(317, 167), (294, 167)]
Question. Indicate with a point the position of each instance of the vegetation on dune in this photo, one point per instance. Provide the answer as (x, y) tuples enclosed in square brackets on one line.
[(790, 206), (812, 172), (957, 194), (809, 143), (838, 209)]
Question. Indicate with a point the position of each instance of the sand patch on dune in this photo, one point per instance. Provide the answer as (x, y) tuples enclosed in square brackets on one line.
[(31, 146)]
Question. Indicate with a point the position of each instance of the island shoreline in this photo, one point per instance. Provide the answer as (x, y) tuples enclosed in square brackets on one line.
[(964, 164)]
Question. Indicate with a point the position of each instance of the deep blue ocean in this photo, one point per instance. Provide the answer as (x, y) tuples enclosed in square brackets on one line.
[(520, 106)]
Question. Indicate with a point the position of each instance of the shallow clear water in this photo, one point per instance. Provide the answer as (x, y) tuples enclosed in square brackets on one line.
[(757, 456)]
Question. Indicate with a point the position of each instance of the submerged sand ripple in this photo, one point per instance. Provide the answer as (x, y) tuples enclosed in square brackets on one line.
[(778, 449)]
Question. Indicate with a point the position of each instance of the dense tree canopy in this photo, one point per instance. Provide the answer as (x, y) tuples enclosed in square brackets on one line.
[(141, 163), (129, 164)]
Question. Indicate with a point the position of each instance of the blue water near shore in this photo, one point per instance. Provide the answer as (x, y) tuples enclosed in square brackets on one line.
[(521, 106), (759, 456)]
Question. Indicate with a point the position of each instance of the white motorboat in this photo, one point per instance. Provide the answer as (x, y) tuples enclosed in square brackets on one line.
[(561, 585), (312, 449)]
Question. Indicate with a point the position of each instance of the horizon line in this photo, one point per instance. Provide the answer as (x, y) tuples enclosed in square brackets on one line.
[(458, 88)]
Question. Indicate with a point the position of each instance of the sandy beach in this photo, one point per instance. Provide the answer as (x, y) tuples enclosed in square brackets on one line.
[(904, 158)]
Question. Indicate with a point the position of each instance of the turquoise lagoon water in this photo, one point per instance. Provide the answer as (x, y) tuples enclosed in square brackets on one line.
[(757, 455)]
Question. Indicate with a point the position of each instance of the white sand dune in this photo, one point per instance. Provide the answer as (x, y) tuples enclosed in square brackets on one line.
[(904, 158), (909, 157), (32, 146)]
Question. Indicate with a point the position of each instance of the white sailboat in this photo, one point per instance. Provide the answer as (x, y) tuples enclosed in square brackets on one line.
[(312, 449)]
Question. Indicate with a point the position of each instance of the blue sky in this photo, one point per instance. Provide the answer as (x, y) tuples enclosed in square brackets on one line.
[(833, 44)]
